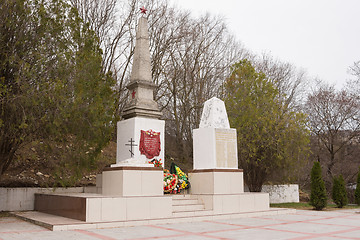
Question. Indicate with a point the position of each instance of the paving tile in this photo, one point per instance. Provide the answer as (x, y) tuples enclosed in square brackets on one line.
[(249, 222), (191, 237), (341, 224), (353, 216), (310, 228), (350, 234), (136, 223), (137, 232), (9, 220), (16, 225), (291, 217), (217, 217), (329, 238), (255, 234), (48, 235), (198, 227), (110, 225), (323, 213)]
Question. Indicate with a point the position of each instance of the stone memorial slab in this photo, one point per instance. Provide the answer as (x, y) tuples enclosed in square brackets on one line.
[(214, 114), (215, 144), (226, 148)]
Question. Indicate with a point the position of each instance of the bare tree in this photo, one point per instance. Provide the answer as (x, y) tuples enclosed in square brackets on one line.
[(289, 80), (197, 63), (353, 85), (355, 69), (334, 118)]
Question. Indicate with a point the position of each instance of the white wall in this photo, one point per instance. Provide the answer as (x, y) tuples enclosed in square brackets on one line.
[(282, 193), (22, 199)]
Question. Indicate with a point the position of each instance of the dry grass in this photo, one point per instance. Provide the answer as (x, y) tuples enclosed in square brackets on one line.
[(307, 206)]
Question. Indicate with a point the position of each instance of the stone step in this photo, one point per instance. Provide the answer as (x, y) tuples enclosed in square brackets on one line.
[(183, 196), (57, 223), (192, 213), (185, 202), (188, 207)]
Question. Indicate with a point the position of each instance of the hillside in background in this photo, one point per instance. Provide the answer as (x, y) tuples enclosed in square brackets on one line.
[(32, 169)]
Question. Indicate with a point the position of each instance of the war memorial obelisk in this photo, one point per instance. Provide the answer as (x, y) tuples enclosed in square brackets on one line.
[(140, 135)]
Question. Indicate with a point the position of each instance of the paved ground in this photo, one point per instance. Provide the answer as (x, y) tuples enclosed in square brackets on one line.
[(342, 224)]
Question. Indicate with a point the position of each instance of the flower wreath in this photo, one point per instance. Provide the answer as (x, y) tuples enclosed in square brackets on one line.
[(170, 182), (175, 180)]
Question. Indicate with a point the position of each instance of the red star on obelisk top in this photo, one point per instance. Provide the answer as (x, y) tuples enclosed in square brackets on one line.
[(143, 10)]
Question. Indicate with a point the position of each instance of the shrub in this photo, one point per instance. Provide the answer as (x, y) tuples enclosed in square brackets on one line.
[(318, 197), (357, 191), (339, 194)]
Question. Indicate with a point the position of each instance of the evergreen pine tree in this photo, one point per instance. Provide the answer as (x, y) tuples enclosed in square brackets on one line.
[(53, 88), (318, 198), (357, 191), (339, 193)]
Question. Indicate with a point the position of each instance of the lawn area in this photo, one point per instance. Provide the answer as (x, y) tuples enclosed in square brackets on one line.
[(307, 206)]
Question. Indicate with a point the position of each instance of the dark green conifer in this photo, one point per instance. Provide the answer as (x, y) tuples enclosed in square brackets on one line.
[(318, 198), (357, 191), (339, 194)]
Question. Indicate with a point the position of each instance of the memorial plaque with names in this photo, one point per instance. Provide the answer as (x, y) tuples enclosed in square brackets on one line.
[(226, 148), (150, 143)]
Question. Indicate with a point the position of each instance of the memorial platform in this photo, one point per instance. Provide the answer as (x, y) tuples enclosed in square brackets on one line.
[(133, 195), (99, 211)]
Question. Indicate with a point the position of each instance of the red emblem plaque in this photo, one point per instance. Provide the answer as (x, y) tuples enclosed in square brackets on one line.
[(150, 143)]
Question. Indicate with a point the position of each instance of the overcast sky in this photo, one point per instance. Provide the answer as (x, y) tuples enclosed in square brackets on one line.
[(320, 36)]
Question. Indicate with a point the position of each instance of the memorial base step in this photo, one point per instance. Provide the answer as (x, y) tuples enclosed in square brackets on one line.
[(188, 206), (58, 223), (80, 210)]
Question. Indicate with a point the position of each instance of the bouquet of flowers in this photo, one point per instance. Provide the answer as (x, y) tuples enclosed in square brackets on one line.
[(157, 163)]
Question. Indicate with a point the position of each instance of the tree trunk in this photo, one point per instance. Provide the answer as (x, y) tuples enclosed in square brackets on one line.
[(254, 176), (6, 157)]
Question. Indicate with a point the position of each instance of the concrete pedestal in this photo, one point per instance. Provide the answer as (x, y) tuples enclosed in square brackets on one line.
[(222, 191), (133, 181), (131, 129), (216, 181)]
